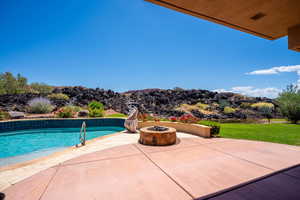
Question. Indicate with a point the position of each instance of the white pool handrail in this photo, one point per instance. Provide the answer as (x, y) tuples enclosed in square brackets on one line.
[(82, 136)]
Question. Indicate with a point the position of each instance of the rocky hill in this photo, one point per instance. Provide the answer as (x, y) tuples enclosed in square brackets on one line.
[(157, 101)]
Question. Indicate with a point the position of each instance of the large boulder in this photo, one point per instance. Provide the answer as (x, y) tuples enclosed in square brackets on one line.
[(16, 115)]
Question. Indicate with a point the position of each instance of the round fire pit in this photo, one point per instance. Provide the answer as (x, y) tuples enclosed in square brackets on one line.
[(157, 136)]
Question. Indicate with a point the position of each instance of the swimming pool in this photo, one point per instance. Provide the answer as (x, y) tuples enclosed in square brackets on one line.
[(15, 143), (23, 145)]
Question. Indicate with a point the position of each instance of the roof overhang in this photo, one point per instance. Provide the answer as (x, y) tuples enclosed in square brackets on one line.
[(269, 19)]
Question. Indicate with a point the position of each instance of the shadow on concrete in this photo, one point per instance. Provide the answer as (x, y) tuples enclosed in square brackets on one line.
[(283, 185)]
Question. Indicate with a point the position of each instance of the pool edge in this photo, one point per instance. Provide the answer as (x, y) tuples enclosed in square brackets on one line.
[(55, 154)]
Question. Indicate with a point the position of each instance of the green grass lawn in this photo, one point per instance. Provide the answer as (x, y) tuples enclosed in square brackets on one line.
[(277, 133)]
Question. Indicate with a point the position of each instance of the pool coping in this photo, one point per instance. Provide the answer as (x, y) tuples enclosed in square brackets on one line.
[(55, 154), (54, 118)]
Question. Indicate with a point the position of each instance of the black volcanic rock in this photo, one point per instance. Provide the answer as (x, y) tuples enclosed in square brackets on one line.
[(198, 114), (157, 101)]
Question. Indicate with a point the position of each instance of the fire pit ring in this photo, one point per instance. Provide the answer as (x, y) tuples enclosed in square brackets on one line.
[(157, 136)]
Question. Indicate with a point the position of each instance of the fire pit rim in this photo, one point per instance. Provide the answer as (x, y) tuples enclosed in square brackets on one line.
[(146, 129)]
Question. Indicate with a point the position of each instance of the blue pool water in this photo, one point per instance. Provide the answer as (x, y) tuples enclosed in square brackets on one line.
[(18, 143)]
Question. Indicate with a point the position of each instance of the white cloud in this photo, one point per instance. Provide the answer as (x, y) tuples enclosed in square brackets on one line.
[(270, 92), (254, 92), (276, 70)]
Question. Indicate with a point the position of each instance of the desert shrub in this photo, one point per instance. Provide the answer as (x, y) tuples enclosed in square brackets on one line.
[(96, 113), (74, 108), (260, 105), (67, 112), (3, 115), (289, 103), (96, 109), (40, 105), (188, 118), (117, 115), (223, 103), (215, 126), (58, 96), (41, 88), (245, 105), (95, 105), (229, 110), (202, 106)]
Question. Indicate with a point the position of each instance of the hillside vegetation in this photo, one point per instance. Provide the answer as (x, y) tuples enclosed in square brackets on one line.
[(16, 93)]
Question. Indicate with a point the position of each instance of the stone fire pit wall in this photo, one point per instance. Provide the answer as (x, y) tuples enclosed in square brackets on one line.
[(157, 138), (194, 129)]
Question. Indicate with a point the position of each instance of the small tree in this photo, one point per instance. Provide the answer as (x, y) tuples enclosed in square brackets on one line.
[(267, 112), (289, 103), (21, 84), (265, 108)]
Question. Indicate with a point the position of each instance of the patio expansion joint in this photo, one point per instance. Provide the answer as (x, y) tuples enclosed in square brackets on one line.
[(53, 176), (237, 157), (163, 171), (192, 146), (133, 144), (197, 144), (91, 161)]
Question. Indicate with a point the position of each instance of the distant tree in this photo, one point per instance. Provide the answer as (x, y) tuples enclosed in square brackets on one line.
[(265, 108), (22, 86), (289, 103), (8, 84), (2, 85), (267, 112)]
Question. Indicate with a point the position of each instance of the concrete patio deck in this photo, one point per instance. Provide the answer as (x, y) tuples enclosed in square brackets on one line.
[(193, 168)]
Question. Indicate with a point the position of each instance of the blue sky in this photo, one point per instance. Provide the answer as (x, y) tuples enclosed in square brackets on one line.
[(133, 44)]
